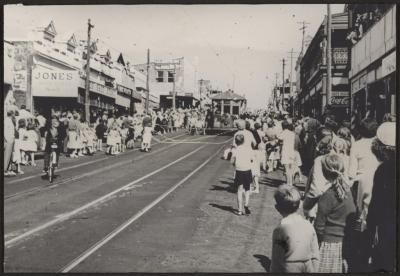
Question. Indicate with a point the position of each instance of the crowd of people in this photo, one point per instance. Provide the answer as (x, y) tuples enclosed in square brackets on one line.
[(347, 223), (344, 219), (27, 134)]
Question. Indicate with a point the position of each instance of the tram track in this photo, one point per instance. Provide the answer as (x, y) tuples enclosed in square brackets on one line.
[(62, 217)]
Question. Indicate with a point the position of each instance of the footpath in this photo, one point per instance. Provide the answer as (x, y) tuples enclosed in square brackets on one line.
[(224, 241)]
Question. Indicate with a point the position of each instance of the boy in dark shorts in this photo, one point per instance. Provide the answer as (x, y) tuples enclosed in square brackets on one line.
[(242, 158)]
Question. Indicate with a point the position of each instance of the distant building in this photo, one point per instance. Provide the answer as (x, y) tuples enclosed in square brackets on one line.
[(312, 98), (165, 76)]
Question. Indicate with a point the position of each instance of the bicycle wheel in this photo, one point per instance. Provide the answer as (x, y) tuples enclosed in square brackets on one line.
[(50, 173), (51, 167)]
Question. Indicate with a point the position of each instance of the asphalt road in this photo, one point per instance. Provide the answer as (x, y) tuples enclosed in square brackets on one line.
[(170, 210)]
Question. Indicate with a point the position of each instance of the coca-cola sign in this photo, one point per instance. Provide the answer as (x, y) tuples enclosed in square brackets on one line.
[(341, 101)]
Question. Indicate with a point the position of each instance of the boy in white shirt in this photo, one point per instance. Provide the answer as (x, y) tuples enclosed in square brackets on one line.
[(242, 159)]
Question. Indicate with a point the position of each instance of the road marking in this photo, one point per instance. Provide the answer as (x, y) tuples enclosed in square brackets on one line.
[(63, 217), (118, 230), (79, 165), (74, 178)]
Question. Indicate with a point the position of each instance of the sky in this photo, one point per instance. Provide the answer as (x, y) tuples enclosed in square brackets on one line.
[(234, 46)]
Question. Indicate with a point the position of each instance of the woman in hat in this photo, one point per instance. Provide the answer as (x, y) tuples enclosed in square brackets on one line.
[(381, 219)]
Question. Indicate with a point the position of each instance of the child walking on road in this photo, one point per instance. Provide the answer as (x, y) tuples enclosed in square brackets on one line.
[(242, 158)]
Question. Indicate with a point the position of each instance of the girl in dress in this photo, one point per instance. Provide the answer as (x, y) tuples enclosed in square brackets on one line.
[(81, 125), (147, 135), (31, 144), (118, 140), (73, 144), (112, 138), (124, 135)]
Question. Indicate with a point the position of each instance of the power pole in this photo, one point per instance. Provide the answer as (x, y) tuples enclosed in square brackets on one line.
[(147, 81), (291, 68), (291, 76), (200, 91), (303, 28), (283, 83), (328, 56), (173, 89), (276, 88), (87, 81)]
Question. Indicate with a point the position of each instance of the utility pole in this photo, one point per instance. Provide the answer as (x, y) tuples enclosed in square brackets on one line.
[(200, 91), (276, 88), (173, 89), (283, 84), (303, 28), (328, 56), (291, 77), (87, 81), (147, 81), (291, 68)]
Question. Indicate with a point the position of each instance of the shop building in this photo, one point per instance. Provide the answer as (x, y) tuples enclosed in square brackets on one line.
[(312, 98), (112, 84), (50, 72), (45, 70), (373, 60)]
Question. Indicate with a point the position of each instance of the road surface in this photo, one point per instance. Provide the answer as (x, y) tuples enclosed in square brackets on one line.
[(170, 210)]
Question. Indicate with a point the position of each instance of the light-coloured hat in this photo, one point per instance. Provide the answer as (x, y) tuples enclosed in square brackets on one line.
[(241, 124), (386, 133)]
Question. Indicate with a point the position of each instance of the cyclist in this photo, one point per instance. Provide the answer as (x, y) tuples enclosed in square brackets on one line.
[(52, 135)]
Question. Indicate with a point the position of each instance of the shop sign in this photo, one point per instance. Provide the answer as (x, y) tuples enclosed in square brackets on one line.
[(339, 94), (340, 55), (389, 64), (340, 101), (20, 80), (124, 90), (8, 63), (355, 86), (122, 101), (22, 52), (55, 83), (363, 81)]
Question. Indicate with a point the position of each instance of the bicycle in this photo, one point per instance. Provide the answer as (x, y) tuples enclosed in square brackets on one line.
[(52, 161)]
